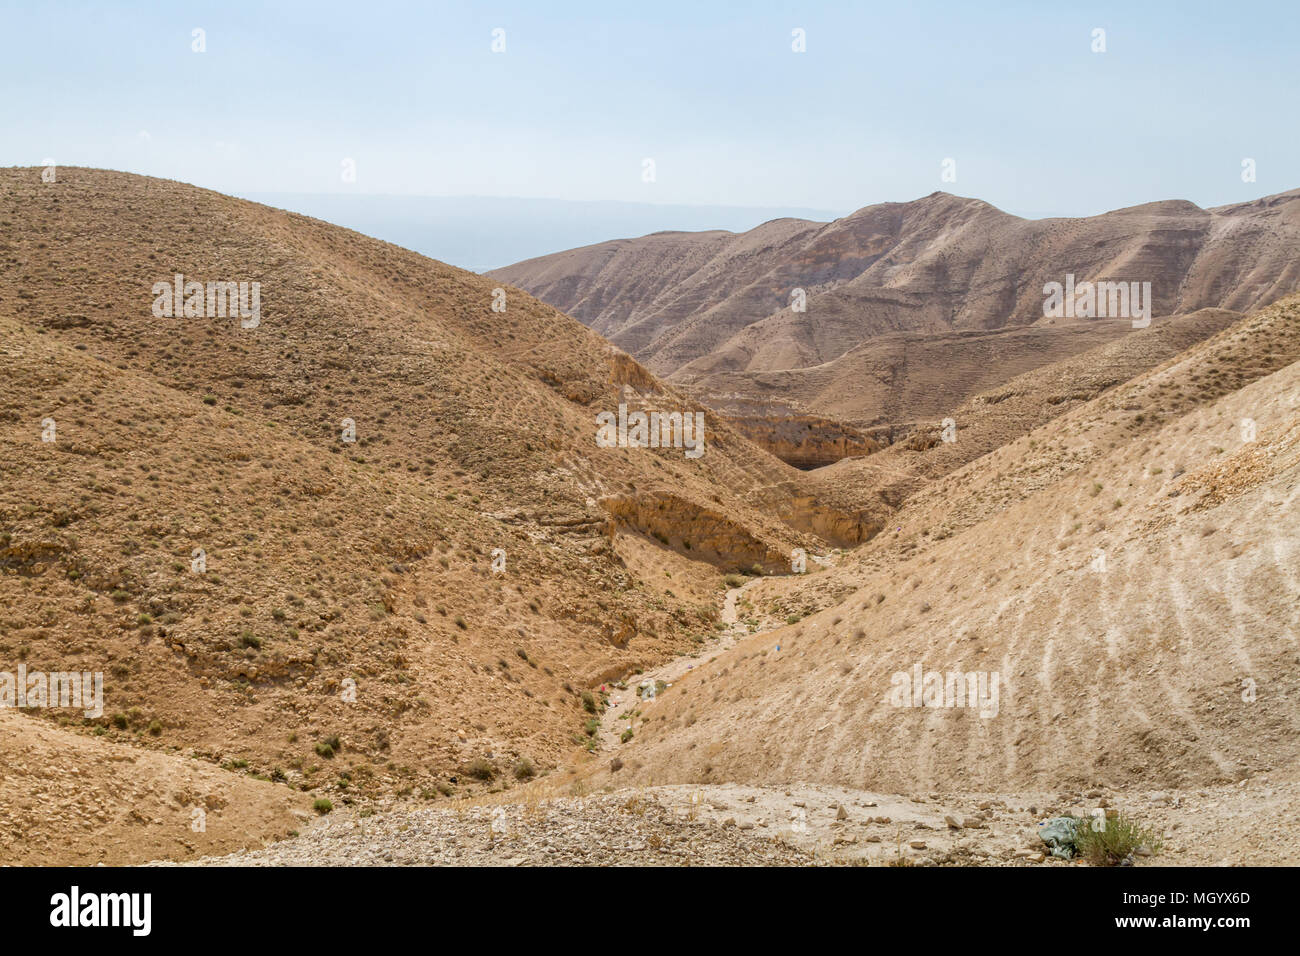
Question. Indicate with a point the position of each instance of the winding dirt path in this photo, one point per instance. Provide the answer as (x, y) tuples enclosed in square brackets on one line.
[(624, 701)]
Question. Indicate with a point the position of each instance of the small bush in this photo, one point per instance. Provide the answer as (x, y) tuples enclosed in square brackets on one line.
[(524, 769), (1111, 844), (589, 702), (322, 806), (480, 768)]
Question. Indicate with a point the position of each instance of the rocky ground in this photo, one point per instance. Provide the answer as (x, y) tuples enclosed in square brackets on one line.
[(733, 825), (627, 828)]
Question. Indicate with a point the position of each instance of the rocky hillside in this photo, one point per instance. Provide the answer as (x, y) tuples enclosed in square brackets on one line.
[(360, 539), (910, 307), (1128, 570)]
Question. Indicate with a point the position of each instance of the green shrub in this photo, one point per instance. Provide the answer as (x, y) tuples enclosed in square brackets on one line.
[(1110, 844)]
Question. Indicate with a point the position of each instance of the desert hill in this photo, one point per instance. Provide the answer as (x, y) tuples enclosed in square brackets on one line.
[(1129, 569), (348, 631)]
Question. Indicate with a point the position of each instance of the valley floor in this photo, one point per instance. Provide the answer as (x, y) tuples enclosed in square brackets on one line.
[(733, 825)]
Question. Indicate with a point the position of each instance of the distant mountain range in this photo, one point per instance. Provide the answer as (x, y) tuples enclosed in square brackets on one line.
[(482, 232), (909, 308)]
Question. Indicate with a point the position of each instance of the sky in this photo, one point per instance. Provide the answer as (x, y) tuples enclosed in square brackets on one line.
[(1033, 119)]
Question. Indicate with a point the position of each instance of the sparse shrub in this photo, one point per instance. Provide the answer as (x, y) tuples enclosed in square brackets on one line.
[(524, 769), (480, 768), (589, 702), (322, 806), (1111, 844)]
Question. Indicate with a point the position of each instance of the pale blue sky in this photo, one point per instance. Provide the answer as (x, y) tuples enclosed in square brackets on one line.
[(1038, 124)]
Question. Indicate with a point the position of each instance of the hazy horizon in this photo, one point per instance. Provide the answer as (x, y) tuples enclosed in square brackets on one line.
[(480, 233)]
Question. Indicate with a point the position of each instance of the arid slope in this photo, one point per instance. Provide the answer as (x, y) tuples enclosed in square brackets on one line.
[(347, 631), (1130, 571)]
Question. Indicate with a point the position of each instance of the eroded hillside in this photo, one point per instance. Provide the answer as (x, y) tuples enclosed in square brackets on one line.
[(363, 542), (1130, 572)]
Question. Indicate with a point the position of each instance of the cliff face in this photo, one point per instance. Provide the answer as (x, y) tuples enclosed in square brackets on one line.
[(804, 441), (701, 532)]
